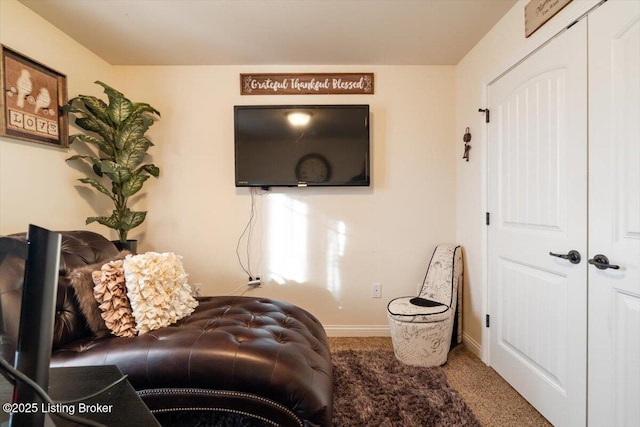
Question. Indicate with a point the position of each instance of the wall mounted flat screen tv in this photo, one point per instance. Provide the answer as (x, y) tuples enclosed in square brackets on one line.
[(301, 145)]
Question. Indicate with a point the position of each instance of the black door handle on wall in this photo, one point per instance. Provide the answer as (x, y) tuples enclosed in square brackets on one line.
[(602, 262), (573, 256)]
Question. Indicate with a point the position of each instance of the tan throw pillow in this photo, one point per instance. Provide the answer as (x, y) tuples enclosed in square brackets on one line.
[(110, 292), (157, 289), (82, 283)]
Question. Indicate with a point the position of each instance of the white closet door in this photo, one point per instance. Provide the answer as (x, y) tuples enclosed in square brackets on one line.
[(614, 214), (537, 188)]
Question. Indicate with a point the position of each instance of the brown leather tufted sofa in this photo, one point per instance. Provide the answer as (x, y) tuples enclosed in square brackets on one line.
[(263, 360)]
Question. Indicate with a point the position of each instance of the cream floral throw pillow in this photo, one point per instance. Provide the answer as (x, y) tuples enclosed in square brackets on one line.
[(157, 289)]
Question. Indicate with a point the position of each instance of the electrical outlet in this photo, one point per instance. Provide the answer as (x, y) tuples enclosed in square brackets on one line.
[(376, 290)]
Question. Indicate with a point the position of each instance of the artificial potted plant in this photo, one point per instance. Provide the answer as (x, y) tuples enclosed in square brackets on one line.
[(117, 132)]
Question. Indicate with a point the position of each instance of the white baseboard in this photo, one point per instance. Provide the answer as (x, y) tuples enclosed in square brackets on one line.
[(383, 331), (472, 345), (357, 330)]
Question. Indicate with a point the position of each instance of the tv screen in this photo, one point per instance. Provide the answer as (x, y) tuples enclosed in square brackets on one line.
[(302, 145)]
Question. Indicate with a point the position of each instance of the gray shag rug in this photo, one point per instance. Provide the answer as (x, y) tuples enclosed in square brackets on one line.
[(372, 388)]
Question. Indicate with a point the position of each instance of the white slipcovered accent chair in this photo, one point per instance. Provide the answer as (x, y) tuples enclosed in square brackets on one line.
[(422, 328)]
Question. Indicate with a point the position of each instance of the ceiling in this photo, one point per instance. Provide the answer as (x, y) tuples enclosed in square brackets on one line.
[(263, 32)]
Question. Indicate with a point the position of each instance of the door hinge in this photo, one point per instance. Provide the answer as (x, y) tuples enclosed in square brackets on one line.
[(487, 218), (487, 320), (486, 114)]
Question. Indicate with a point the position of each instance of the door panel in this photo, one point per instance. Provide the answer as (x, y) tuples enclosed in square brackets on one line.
[(614, 210), (537, 197), (530, 335), (531, 153)]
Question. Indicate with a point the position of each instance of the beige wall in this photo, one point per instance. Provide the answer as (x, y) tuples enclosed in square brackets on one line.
[(318, 248), (36, 185), (354, 236), (501, 48)]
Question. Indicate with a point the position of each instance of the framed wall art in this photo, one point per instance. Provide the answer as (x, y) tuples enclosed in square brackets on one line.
[(32, 99)]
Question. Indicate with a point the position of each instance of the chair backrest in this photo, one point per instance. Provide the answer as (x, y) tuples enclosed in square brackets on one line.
[(442, 278)]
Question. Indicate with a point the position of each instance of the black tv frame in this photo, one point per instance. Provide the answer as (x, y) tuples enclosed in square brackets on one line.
[(37, 316), (266, 185)]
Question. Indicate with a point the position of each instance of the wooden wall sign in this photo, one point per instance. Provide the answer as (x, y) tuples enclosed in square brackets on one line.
[(307, 84), (537, 12)]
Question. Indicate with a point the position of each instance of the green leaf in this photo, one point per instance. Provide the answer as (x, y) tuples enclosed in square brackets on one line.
[(94, 161), (109, 90), (119, 110), (119, 106), (102, 146), (132, 186), (133, 153), (79, 156), (97, 170), (95, 184), (132, 219), (110, 221), (131, 130), (69, 108), (97, 107), (151, 169), (92, 124), (117, 173), (141, 107)]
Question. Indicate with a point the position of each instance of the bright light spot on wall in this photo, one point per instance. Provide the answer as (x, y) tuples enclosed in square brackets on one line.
[(287, 242), (303, 245), (336, 240)]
